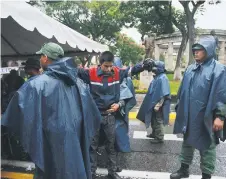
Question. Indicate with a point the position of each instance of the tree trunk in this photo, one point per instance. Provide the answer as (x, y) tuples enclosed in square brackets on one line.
[(83, 61), (190, 22), (191, 36), (177, 71)]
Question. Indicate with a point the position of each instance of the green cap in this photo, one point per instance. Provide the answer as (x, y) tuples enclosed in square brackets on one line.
[(51, 50), (197, 47)]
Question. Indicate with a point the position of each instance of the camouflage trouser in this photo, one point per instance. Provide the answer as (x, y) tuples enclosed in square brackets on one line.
[(208, 157), (157, 125)]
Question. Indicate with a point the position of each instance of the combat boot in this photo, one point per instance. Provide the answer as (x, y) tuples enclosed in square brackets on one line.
[(114, 175), (183, 172), (157, 141), (206, 176), (151, 135)]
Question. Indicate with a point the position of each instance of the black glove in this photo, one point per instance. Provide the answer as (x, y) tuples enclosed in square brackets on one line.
[(148, 64)]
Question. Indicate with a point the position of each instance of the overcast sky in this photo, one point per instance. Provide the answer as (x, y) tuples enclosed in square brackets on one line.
[(214, 17)]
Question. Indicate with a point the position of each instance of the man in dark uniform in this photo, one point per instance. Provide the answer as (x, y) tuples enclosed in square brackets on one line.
[(14, 81), (155, 108), (201, 109), (104, 82), (32, 67)]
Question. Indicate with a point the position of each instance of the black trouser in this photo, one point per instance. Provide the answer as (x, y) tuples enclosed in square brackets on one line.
[(108, 126)]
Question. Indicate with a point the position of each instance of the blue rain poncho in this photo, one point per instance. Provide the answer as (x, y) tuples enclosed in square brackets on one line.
[(202, 95), (159, 88), (55, 117)]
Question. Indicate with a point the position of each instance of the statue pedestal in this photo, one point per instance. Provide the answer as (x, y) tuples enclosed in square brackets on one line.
[(145, 79)]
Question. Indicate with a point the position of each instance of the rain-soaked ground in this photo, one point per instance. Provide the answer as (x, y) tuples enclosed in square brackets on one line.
[(151, 158), (146, 160), (155, 161)]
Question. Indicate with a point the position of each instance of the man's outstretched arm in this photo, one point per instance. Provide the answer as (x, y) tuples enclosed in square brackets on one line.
[(138, 68)]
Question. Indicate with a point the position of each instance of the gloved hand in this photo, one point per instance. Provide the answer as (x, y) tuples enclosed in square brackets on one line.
[(148, 64)]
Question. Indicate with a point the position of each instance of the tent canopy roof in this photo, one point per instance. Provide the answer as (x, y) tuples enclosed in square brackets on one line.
[(24, 29)]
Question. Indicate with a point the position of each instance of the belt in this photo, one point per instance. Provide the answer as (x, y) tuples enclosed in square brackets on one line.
[(106, 113)]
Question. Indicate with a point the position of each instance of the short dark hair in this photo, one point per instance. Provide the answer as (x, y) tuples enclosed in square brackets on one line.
[(212, 32), (106, 56)]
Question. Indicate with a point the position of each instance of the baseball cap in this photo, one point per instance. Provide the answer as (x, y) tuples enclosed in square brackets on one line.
[(197, 47), (51, 50)]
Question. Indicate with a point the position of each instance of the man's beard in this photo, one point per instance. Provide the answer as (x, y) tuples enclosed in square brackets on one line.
[(108, 73)]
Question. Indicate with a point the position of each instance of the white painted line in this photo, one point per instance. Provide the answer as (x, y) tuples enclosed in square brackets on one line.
[(147, 174), (16, 163), (142, 135), (134, 122)]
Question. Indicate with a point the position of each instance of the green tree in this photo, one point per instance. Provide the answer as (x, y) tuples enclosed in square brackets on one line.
[(99, 20), (178, 18), (142, 15), (159, 17), (127, 49), (190, 8)]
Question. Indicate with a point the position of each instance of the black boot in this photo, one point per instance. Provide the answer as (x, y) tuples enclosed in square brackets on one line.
[(94, 176), (113, 175), (151, 135), (206, 176), (183, 172), (119, 169), (157, 141)]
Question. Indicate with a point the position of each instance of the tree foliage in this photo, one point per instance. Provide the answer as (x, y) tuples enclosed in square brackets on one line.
[(99, 20), (142, 15), (127, 49)]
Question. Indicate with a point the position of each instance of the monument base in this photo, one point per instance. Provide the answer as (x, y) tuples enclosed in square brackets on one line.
[(145, 79)]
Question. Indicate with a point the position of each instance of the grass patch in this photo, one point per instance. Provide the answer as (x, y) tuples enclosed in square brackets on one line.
[(174, 87), (170, 77)]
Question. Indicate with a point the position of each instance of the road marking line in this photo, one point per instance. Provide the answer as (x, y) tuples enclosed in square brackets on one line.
[(142, 135), (148, 174), (17, 163), (135, 122)]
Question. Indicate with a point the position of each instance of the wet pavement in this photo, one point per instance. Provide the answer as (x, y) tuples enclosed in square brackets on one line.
[(155, 161), (161, 158)]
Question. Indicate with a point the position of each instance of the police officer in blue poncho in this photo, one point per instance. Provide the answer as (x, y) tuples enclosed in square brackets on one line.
[(201, 109), (155, 108), (55, 117)]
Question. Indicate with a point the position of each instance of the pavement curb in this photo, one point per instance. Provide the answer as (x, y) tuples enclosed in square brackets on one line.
[(172, 116)]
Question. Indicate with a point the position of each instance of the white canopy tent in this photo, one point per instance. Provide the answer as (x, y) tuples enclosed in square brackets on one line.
[(24, 29)]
